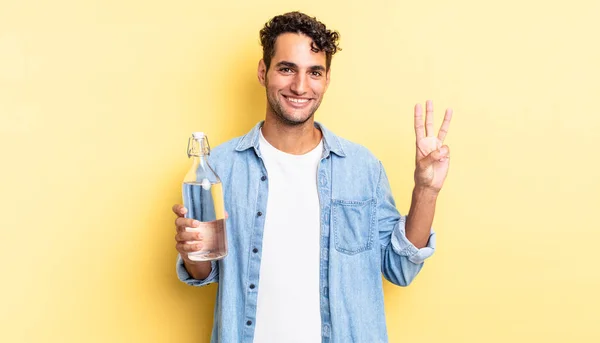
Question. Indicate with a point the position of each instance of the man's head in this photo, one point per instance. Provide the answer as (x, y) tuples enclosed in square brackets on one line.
[(295, 68), (295, 22)]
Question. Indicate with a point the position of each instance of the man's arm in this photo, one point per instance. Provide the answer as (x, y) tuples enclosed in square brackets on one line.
[(401, 259), (197, 270), (432, 162), (407, 241), (420, 216)]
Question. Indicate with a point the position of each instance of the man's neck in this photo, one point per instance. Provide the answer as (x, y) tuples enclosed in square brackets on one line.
[(291, 139)]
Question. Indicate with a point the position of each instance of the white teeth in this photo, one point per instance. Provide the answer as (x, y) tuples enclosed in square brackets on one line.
[(300, 101)]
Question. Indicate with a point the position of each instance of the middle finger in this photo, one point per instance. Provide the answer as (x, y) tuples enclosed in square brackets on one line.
[(429, 119), (185, 236), (182, 223)]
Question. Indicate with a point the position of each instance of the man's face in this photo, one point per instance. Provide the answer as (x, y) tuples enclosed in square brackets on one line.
[(296, 80)]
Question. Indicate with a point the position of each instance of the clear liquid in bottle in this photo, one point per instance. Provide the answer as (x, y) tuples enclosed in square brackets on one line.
[(203, 198)]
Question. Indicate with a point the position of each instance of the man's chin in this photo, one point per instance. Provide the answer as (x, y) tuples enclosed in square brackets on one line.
[(290, 117), (296, 120)]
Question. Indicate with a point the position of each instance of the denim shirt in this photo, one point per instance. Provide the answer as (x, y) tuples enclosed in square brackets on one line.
[(362, 236)]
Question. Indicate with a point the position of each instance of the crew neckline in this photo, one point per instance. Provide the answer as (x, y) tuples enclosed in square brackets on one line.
[(263, 140)]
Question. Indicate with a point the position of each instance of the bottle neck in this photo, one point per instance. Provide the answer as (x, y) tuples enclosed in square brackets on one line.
[(201, 159), (198, 147)]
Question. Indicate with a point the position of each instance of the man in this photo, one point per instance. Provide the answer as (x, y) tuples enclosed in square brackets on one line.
[(312, 223)]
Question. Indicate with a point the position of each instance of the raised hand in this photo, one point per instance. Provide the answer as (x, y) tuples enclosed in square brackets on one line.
[(432, 157)]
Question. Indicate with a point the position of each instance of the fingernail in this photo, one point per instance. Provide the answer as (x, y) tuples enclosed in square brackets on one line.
[(196, 223), (198, 246)]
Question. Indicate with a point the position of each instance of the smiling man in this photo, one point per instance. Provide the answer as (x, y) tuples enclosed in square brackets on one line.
[(312, 222)]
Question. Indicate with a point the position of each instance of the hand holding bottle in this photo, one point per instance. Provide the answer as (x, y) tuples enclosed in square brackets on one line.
[(187, 242), (194, 236), (198, 270)]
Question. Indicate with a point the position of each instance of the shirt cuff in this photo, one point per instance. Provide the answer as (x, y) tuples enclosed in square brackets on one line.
[(184, 276), (403, 247)]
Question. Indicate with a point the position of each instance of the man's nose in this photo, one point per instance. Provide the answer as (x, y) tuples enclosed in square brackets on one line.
[(299, 84)]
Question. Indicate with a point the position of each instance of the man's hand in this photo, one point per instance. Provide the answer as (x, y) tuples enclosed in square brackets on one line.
[(432, 158), (188, 242)]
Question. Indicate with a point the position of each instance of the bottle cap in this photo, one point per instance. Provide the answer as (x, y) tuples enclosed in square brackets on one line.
[(198, 135)]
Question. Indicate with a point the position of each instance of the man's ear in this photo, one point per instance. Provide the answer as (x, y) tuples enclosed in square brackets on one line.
[(327, 78), (262, 72)]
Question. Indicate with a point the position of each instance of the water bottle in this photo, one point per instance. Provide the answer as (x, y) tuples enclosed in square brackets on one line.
[(203, 198)]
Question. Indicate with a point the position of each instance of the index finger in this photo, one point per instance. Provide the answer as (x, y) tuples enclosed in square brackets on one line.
[(419, 128), (179, 210)]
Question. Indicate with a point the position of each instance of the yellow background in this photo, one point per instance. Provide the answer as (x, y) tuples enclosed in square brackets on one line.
[(97, 99)]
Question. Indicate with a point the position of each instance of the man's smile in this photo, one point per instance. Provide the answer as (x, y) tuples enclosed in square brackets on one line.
[(296, 102)]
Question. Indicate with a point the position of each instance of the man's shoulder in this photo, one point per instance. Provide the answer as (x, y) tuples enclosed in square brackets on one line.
[(224, 153), (357, 152), (226, 148)]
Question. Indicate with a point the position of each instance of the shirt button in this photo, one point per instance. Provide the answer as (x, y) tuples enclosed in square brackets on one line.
[(252, 286), (259, 213), (263, 178), (255, 250), (249, 323)]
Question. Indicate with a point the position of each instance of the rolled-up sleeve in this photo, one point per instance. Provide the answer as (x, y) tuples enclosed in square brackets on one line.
[(401, 260), (184, 276), (403, 247)]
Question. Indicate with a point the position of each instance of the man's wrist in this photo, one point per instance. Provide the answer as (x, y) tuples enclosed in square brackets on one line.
[(197, 269), (425, 192)]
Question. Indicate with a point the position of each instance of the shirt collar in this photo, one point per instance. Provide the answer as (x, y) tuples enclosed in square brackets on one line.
[(331, 142)]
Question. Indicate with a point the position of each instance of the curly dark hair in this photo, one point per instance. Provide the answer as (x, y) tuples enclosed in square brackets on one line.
[(297, 22)]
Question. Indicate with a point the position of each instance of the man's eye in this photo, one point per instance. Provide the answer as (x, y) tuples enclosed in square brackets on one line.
[(285, 70), (316, 73)]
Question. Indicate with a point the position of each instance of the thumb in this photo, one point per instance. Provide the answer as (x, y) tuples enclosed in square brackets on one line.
[(439, 155)]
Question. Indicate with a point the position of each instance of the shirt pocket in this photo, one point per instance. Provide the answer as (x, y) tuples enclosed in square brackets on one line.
[(353, 225)]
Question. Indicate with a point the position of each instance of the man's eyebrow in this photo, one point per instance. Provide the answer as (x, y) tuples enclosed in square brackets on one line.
[(317, 68), (287, 64), (295, 66)]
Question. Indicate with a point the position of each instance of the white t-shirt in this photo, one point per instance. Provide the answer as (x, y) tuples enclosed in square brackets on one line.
[(288, 307)]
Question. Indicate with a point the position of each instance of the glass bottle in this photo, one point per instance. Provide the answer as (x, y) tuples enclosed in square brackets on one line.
[(203, 198)]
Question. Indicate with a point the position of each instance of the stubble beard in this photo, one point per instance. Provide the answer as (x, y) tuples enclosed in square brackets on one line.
[(286, 119)]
